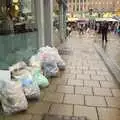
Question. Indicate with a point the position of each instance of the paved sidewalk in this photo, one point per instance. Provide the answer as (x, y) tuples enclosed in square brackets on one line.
[(86, 88), (112, 48)]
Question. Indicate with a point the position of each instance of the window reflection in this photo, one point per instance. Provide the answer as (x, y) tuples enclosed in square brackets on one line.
[(18, 31)]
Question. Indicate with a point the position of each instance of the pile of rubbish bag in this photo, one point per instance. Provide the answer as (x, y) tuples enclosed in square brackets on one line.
[(25, 81)]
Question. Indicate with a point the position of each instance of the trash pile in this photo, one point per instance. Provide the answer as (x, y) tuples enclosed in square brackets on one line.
[(25, 81)]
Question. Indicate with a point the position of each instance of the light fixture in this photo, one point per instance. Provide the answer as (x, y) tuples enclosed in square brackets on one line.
[(15, 1)]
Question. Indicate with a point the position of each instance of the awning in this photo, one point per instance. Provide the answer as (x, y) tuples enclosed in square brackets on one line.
[(116, 18), (72, 19), (106, 19)]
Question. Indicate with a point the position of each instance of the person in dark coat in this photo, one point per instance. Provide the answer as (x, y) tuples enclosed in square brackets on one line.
[(104, 31)]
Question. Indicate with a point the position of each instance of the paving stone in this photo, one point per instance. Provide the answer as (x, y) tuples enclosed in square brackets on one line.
[(66, 76), (106, 84), (51, 88), (95, 101), (108, 114), (60, 81), (97, 77), (74, 99), (82, 68), (37, 117), (89, 112), (61, 109), (38, 108), (90, 72), (60, 117), (75, 82), (94, 68), (91, 83), (83, 90), (65, 89), (42, 93), (53, 117), (116, 92), (54, 97), (103, 73), (109, 78), (113, 102), (2, 117), (102, 91), (18, 117), (83, 77)]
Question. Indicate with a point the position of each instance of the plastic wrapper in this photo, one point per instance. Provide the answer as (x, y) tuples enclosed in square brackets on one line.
[(61, 65), (30, 87), (12, 97), (17, 66), (41, 80), (50, 69), (35, 61)]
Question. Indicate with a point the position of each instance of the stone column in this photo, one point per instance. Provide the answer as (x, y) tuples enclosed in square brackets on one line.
[(64, 21), (48, 22), (61, 23), (39, 13)]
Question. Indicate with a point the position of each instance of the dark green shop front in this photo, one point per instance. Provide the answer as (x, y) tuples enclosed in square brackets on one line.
[(18, 31)]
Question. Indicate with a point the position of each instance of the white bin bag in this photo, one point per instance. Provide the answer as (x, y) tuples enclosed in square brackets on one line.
[(30, 87), (12, 97)]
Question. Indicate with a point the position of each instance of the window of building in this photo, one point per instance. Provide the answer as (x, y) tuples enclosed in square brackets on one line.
[(73, 1), (77, 7), (18, 31), (81, 1), (73, 7), (77, 1)]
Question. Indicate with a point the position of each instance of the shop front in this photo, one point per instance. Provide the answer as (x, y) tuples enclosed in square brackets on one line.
[(18, 31), (27, 25)]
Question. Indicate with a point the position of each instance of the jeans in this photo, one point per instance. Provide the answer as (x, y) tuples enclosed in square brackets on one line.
[(104, 37)]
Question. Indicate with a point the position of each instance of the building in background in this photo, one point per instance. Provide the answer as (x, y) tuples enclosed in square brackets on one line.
[(104, 5), (77, 6)]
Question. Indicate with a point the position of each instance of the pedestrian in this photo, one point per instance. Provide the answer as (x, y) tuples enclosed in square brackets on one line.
[(69, 30), (118, 30), (104, 31), (81, 29)]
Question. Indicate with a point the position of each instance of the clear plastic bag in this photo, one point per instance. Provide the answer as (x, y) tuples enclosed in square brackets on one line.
[(41, 80), (35, 61), (48, 54), (12, 97), (17, 66), (30, 87), (50, 69)]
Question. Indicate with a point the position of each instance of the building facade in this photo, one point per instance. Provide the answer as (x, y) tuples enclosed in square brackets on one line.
[(76, 6)]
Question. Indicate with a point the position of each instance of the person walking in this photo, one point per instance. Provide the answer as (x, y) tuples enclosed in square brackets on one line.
[(104, 31)]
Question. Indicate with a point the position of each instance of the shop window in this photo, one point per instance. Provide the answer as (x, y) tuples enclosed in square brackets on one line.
[(77, 7), (18, 31), (81, 1), (73, 7)]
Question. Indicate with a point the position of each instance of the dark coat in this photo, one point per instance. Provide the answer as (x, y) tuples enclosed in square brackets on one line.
[(104, 28)]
